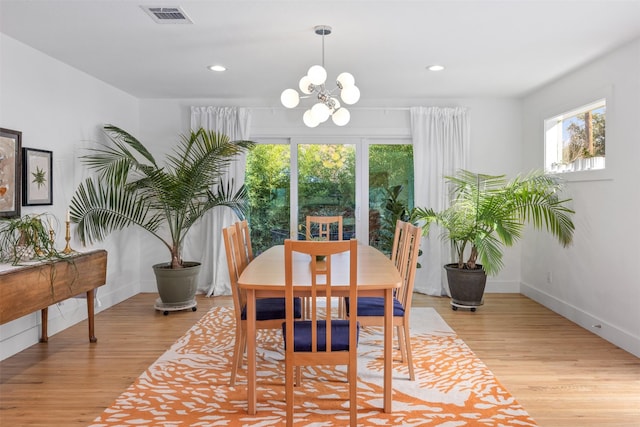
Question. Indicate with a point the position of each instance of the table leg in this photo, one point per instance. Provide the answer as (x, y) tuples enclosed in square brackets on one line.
[(44, 316), (251, 352), (388, 347), (90, 315)]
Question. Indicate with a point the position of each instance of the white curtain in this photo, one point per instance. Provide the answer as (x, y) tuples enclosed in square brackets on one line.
[(440, 147), (204, 241)]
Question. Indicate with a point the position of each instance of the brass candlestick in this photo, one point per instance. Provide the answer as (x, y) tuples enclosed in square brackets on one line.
[(67, 249), (36, 246)]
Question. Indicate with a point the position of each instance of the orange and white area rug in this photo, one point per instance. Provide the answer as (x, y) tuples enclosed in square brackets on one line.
[(189, 384)]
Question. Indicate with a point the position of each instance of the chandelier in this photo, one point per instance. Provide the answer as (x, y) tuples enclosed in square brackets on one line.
[(313, 85)]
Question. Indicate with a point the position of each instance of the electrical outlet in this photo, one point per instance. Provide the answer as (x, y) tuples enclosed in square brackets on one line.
[(549, 277)]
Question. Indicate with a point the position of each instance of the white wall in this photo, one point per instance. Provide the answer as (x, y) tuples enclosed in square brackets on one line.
[(60, 109), (495, 139), (595, 281)]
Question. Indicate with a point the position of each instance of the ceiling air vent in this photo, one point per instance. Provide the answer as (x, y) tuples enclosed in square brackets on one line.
[(167, 15)]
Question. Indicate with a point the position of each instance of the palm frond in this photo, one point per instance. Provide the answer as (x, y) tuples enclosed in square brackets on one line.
[(100, 210), (489, 252), (123, 138), (118, 164)]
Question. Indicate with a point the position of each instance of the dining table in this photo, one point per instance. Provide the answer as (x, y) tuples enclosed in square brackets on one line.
[(264, 277)]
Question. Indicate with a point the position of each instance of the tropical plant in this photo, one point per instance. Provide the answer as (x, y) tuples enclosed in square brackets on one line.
[(132, 189), (394, 209), (26, 238), (489, 212)]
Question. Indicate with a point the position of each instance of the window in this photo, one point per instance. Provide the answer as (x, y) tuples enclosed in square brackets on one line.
[(575, 140), (288, 180), (390, 191), (327, 184), (268, 184)]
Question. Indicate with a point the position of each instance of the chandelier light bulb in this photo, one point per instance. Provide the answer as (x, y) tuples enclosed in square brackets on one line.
[(290, 98), (305, 85), (336, 103), (309, 120), (345, 80), (320, 112), (317, 74), (341, 117), (350, 95)]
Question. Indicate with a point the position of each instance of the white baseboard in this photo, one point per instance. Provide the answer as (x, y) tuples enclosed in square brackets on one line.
[(621, 338)]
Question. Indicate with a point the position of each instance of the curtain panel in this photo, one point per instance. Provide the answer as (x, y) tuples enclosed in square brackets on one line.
[(440, 147), (204, 242)]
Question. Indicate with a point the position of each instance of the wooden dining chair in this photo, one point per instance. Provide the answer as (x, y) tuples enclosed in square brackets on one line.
[(370, 310), (306, 340), (324, 226), (270, 312), (244, 235)]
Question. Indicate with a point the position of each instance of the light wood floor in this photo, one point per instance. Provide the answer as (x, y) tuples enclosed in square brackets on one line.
[(562, 374)]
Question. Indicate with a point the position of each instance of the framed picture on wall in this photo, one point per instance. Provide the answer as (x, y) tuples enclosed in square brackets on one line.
[(37, 177), (10, 172)]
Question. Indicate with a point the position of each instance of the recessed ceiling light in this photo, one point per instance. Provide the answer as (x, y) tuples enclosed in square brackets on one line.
[(435, 68), (218, 68)]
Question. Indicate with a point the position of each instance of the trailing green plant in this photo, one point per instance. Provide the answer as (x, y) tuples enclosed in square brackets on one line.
[(489, 212), (26, 238), (132, 189)]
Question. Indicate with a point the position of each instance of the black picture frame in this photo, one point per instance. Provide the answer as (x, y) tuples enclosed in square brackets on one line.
[(10, 173), (37, 177)]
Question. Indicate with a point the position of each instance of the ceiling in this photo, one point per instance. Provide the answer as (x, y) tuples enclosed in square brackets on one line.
[(489, 48)]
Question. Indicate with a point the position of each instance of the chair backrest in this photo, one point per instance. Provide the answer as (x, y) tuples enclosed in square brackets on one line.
[(408, 262), (320, 287), (244, 236), (398, 242), (235, 265), (324, 226)]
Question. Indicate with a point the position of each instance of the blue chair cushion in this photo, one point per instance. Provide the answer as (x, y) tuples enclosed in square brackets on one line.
[(302, 335), (374, 306), (273, 308)]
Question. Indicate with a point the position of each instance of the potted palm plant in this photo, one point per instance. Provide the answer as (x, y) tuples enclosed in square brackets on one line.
[(132, 189), (487, 214)]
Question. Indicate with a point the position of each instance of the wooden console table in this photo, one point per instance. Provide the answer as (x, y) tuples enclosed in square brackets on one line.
[(30, 288)]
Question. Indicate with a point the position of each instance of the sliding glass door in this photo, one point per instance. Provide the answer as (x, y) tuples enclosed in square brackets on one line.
[(368, 183), (268, 184), (326, 184), (390, 190)]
